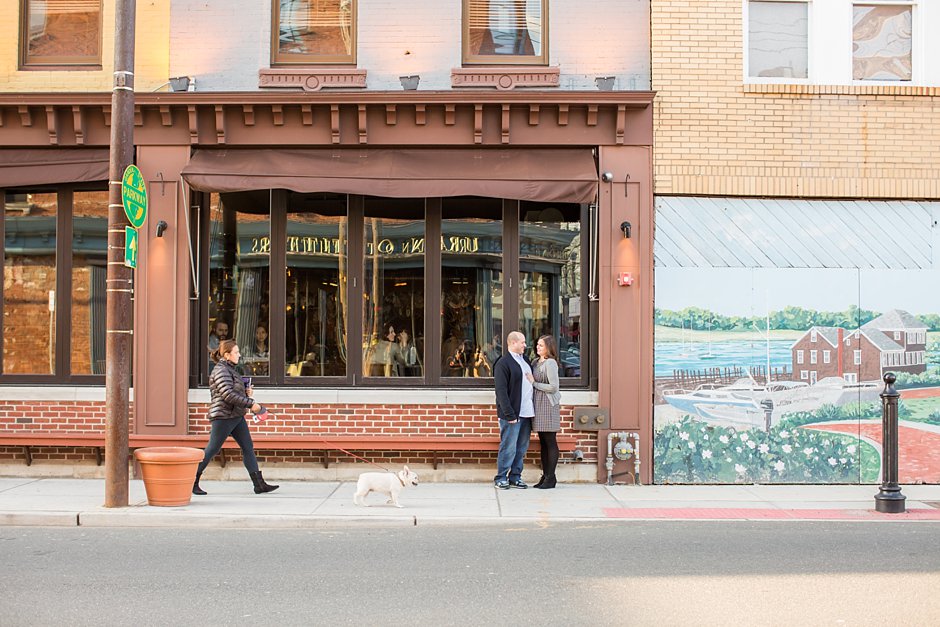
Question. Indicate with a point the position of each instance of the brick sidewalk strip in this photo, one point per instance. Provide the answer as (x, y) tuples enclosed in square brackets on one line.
[(720, 513)]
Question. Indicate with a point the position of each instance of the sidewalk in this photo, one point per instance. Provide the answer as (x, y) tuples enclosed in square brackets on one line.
[(232, 504)]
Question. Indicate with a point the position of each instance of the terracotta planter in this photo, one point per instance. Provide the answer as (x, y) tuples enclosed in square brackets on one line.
[(169, 473)]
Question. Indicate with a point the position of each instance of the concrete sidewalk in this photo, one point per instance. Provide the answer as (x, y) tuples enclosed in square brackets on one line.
[(232, 504)]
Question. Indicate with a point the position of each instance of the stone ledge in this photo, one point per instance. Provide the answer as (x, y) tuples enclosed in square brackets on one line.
[(840, 90), (504, 78), (312, 79)]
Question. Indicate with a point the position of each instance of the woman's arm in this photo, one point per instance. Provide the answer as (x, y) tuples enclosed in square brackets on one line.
[(551, 369), (225, 388)]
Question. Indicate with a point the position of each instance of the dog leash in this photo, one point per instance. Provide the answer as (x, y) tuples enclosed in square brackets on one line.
[(353, 455)]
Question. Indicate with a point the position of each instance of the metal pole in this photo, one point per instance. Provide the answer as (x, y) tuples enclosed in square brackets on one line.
[(120, 285), (889, 500)]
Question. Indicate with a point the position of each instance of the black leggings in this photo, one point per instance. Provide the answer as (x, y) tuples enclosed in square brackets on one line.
[(238, 429), (548, 450)]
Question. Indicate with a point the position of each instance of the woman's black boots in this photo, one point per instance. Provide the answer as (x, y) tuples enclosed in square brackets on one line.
[(541, 481), (196, 488), (260, 485)]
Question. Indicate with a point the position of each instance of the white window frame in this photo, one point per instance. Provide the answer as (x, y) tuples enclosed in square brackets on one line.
[(813, 336), (804, 375), (829, 44), (850, 377), (827, 357), (799, 357), (857, 357), (813, 357)]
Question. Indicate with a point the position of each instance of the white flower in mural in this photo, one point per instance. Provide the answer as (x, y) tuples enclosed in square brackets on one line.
[(738, 468), (727, 459), (784, 434), (779, 466), (843, 460), (807, 451), (743, 437), (738, 449), (683, 435), (832, 461), (705, 437), (751, 444), (787, 448), (851, 449), (723, 439), (707, 454), (692, 445), (764, 448)]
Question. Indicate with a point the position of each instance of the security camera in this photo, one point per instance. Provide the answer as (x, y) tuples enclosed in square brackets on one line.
[(607, 177)]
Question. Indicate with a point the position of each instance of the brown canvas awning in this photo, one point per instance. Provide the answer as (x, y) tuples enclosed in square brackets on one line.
[(23, 167), (543, 174)]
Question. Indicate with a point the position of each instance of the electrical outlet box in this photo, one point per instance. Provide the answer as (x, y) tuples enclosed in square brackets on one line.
[(591, 418)]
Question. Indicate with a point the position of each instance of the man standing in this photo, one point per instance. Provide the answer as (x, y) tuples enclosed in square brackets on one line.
[(515, 410)]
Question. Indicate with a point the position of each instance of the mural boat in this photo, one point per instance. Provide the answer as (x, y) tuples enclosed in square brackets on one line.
[(740, 404)]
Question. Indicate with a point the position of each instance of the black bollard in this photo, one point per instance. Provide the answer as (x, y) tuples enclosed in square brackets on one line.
[(889, 500)]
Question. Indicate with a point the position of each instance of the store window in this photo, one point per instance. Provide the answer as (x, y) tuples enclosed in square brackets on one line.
[(315, 315), (419, 284), (54, 269), (471, 286), (551, 299), (505, 32), (393, 288), (778, 39), (60, 32), (239, 269), (881, 42), (314, 31)]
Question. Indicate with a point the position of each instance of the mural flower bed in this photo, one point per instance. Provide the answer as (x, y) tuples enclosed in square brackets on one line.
[(692, 451)]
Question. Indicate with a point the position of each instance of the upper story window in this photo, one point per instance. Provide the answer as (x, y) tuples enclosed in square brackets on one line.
[(60, 32), (881, 42), (840, 42), (505, 32), (778, 39), (314, 31)]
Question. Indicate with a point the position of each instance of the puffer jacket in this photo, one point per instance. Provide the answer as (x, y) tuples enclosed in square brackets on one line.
[(228, 397)]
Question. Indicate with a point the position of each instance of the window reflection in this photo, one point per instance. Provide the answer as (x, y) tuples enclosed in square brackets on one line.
[(393, 288), (29, 280), (316, 306), (63, 32), (471, 286), (315, 28), (89, 274), (505, 27), (550, 279), (239, 262)]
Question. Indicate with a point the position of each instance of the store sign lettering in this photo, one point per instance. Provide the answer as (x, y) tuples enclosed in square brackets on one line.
[(386, 247)]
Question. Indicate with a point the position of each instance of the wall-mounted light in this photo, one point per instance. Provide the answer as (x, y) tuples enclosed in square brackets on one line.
[(161, 227), (182, 83), (625, 227), (605, 83), (607, 177), (409, 83)]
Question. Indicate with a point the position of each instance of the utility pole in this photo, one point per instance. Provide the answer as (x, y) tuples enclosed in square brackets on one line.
[(120, 280)]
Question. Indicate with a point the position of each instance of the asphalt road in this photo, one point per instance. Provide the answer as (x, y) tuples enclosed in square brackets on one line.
[(622, 573)]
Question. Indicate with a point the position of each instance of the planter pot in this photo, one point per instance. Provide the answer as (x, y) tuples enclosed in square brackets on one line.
[(169, 473)]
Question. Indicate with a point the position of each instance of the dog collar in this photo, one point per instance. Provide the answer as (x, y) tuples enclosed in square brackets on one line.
[(400, 481)]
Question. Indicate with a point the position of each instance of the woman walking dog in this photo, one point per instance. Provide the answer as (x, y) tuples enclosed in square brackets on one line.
[(229, 401)]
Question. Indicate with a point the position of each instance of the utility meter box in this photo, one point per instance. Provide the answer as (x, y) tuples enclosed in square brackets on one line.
[(591, 418)]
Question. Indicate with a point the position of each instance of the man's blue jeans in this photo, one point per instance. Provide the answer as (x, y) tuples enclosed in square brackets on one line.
[(513, 444)]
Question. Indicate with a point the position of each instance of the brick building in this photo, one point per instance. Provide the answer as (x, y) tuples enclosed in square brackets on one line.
[(325, 203)]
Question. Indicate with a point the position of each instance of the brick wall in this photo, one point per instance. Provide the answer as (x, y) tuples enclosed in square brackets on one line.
[(715, 135), (313, 420), (225, 44)]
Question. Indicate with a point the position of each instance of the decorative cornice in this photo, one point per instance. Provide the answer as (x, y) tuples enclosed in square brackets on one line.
[(312, 78), (503, 78)]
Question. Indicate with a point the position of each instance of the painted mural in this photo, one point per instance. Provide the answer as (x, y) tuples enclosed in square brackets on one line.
[(773, 375)]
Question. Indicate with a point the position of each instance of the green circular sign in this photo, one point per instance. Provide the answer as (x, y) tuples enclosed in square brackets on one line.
[(134, 196)]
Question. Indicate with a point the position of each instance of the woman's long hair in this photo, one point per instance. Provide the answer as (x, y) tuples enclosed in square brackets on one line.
[(550, 345), (225, 346)]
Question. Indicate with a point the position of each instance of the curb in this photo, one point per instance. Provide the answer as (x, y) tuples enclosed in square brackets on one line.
[(39, 519)]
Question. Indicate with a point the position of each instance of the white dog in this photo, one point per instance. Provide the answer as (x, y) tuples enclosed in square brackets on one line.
[(390, 483)]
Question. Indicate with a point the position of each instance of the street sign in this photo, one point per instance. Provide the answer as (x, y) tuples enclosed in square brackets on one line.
[(130, 247), (134, 196)]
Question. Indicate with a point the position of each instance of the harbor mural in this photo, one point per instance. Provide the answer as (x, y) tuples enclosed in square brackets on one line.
[(773, 375)]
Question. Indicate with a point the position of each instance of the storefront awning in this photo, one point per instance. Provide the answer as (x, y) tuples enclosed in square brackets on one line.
[(563, 175), (27, 167)]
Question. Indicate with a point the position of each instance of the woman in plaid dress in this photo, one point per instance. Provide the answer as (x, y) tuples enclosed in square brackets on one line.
[(546, 398)]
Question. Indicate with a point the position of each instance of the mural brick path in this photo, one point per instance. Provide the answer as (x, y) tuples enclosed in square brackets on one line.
[(918, 446)]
